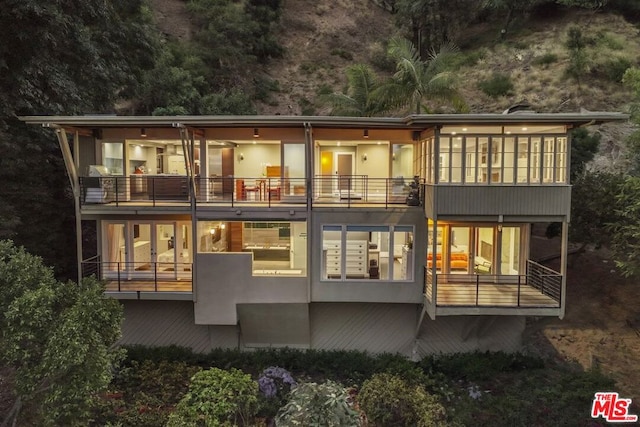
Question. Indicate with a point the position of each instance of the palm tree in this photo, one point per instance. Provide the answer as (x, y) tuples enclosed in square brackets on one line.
[(416, 81), (358, 100)]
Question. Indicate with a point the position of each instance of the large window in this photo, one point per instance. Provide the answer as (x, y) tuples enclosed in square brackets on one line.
[(499, 160), (277, 248), (475, 249), (367, 252)]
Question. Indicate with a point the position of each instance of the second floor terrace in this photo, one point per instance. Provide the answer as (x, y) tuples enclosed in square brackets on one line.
[(266, 161)]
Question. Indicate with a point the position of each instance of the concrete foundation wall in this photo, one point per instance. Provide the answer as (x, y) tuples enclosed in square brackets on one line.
[(376, 328)]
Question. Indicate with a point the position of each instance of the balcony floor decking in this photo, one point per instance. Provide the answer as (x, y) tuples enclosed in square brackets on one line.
[(492, 295), (149, 286)]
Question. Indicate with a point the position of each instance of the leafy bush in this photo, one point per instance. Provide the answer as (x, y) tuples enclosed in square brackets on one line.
[(469, 59), (609, 41), (546, 59), (388, 400), (613, 69), (217, 398), (328, 404), (480, 366), (144, 392), (274, 384), (344, 54), (497, 85)]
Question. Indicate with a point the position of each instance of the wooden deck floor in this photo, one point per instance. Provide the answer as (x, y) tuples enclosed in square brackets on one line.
[(492, 295), (150, 286)]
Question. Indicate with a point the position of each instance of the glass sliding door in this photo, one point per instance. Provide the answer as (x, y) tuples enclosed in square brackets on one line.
[(510, 251), (293, 157), (484, 250), (143, 250), (459, 250), (115, 251)]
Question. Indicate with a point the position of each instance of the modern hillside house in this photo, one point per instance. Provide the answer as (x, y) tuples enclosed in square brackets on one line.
[(407, 235)]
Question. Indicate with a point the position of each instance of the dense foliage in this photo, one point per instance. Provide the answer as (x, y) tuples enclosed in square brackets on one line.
[(217, 397), (57, 341), (480, 389), (389, 400), (327, 404)]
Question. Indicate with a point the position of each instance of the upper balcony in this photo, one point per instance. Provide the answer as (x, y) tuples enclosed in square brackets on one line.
[(174, 191)]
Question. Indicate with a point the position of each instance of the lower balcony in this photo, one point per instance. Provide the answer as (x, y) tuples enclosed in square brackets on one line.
[(537, 293), (136, 280)]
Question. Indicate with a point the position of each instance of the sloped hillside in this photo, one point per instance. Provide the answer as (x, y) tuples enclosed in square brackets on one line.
[(321, 39)]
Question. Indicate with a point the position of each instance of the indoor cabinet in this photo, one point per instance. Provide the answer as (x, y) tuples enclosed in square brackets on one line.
[(356, 259)]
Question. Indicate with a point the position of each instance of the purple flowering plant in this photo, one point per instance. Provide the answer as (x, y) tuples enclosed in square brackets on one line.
[(276, 382)]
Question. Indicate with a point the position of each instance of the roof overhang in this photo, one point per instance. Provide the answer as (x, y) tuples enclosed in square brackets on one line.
[(421, 121)]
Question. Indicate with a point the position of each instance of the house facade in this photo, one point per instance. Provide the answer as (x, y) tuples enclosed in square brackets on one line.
[(407, 235)]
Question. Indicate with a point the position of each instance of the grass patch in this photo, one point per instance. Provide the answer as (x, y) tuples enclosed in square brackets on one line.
[(342, 53), (545, 60), (609, 41)]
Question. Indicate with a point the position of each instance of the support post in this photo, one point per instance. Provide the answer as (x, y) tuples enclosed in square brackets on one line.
[(72, 171)]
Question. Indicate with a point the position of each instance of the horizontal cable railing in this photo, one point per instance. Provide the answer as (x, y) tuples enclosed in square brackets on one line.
[(176, 189), (428, 286), (359, 189), (249, 190), (326, 189), (141, 276), (544, 279)]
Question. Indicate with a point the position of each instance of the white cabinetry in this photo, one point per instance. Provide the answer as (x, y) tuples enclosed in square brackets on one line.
[(356, 259), (407, 263)]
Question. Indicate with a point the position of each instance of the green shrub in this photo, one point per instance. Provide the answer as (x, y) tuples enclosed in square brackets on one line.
[(478, 366), (388, 400), (546, 59), (609, 41), (328, 404), (497, 85), (217, 398), (264, 86), (344, 54), (613, 69), (469, 59)]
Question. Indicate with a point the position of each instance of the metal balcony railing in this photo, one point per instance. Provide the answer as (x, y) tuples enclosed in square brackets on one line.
[(540, 287), (141, 276), (175, 189)]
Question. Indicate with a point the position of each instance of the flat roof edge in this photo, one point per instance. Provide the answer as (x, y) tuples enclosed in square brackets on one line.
[(412, 121)]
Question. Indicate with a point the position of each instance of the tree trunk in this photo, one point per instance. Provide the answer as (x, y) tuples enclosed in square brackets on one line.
[(13, 413)]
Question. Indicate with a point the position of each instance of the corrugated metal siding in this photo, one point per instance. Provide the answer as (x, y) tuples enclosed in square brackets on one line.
[(459, 334), (161, 323), (377, 328), (499, 200)]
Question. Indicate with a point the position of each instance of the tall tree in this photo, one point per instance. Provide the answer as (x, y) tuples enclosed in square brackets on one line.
[(59, 58), (625, 228), (631, 79), (358, 99), (512, 10), (584, 146), (416, 81), (57, 342), (434, 22)]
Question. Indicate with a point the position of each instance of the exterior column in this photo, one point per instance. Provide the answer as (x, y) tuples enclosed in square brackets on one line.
[(563, 265)]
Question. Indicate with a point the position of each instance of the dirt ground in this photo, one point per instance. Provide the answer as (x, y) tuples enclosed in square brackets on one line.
[(602, 323)]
